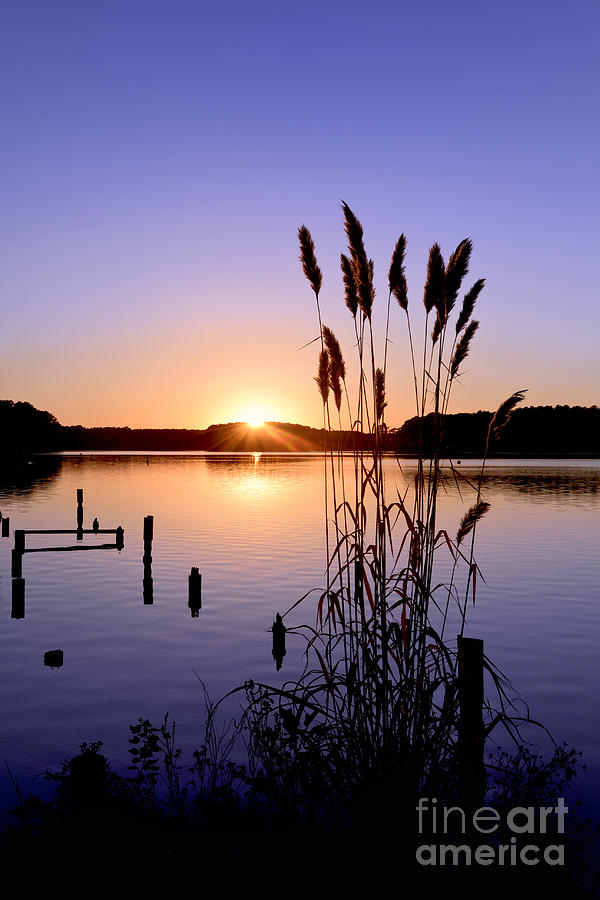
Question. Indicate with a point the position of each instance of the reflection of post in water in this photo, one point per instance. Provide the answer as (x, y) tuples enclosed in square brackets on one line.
[(278, 641), (195, 592), (79, 514), (148, 582), (18, 599), (18, 582), (16, 569), (17, 554)]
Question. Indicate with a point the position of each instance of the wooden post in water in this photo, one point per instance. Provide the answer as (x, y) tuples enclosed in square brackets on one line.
[(54, 658), (195, 591), (148, 537), (471, 738), (20, 540), (79, 514), (120, 538), (5, 527), (278, 630), (18, 599), (148, 582)]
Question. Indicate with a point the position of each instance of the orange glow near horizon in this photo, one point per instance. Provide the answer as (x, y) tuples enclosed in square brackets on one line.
[(256, 416)]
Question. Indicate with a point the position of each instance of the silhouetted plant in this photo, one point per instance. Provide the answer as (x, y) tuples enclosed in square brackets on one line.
[(525, 778), (154, 759), (376, 708)]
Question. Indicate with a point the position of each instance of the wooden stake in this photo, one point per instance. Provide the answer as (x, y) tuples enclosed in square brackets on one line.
[(148, 528), (195, 591), (79, 514), (53, 658), (20, 540), (278, 630), (148, 536)]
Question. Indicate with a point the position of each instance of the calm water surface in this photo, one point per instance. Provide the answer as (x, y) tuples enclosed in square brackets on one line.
[(254, 527)]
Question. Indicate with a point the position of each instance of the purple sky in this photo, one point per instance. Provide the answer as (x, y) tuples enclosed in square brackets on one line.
[(158, 158)]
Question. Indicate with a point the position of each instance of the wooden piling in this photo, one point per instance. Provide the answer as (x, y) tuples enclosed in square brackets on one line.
[(79, 509), (18, 599), (53, 658), (5, 527), (195, 591), (278, 630), (120, 538), (148, 528), (471, 737), (148, 537), (20, 540)]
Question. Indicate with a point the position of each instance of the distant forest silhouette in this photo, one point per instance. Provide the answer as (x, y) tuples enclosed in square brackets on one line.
[(532, 431)]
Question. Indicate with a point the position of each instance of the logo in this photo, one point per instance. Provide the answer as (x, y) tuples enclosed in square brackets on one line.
[(510, 840)]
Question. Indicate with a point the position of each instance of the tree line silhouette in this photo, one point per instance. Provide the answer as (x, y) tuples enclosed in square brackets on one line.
[(532, 431)]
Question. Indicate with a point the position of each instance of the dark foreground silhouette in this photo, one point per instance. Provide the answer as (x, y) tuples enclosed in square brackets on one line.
[(119, 825)]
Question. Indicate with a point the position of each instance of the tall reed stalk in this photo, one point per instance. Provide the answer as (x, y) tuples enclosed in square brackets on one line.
[(375, 711)]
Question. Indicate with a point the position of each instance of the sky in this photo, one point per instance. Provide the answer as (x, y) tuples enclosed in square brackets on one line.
[(157, 159)]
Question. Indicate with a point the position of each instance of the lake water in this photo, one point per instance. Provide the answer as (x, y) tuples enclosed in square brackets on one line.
[(254, 527)]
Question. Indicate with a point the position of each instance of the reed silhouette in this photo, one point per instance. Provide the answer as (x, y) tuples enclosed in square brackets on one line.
[(373, 722)]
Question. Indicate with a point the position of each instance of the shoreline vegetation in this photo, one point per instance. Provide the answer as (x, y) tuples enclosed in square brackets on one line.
[(559, 432)]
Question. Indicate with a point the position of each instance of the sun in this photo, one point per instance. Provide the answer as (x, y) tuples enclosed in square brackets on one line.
[(255, 422), (255, 416)]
